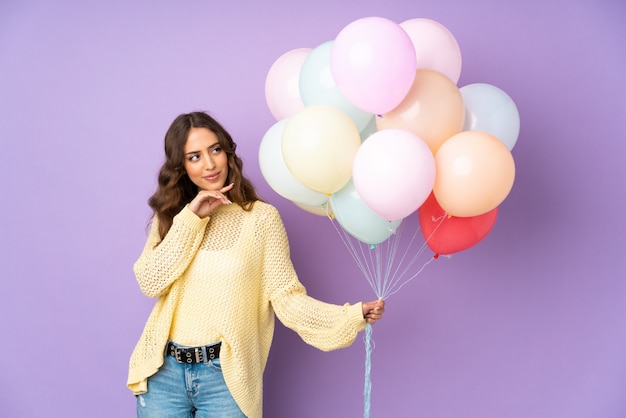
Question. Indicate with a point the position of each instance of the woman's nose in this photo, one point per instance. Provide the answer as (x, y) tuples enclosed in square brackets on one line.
[(209, 164)]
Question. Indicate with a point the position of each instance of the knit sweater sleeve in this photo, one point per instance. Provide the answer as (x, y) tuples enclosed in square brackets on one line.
[(323, 325), (162, 262)]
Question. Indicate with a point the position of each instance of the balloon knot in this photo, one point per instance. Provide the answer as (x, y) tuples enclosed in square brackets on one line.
[(436, 256), (372, 246)]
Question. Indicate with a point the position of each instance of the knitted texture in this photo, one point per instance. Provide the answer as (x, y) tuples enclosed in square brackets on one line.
[(222, 278)]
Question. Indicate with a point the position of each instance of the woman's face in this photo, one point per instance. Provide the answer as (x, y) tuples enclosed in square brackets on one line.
[(205, 161)]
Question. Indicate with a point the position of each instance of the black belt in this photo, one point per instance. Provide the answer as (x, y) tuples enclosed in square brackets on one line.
[(191, 355)]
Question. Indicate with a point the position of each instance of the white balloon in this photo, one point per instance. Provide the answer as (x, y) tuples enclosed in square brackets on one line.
[(276, 173)]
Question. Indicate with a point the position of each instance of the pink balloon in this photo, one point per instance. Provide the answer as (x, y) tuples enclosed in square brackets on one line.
[(435, 47), (282, 84), (373, 64), (393, 173)]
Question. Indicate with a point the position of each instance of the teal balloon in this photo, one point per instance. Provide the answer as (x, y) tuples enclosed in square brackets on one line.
[(317, 86), (491, 110), (369, 129), (358, 219)]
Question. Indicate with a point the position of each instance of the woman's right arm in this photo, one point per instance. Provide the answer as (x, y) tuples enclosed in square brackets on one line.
[(162, 262)]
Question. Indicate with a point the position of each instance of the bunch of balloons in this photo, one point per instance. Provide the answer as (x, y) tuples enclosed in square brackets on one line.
[(371, 127)]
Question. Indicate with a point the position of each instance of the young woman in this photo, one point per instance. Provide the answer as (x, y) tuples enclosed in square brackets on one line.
[(217, 258)]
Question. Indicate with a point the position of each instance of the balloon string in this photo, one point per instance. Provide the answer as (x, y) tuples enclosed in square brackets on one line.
[(367, 391), (384, 274), (400, 286), (384, 267), (358, 254), (397, 285)]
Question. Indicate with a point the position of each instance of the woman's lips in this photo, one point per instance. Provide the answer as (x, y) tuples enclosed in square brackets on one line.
[(212, 177)]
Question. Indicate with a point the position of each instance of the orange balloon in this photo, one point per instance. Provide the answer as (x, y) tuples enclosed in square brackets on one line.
[(433, 109), (474, 173)]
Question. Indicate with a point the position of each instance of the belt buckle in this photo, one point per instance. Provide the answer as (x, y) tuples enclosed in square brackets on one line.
[(178, 352)]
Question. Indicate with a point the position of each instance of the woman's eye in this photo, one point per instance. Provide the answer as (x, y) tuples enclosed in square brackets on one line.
[(194, 158), (217, 150)]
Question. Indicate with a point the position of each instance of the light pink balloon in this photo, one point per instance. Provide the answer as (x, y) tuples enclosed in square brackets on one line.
[(282, 84), (435, 47), (373, 64), (393, 173)]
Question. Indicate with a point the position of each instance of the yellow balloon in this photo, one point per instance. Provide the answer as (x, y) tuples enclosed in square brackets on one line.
[(474, 173), (318, 145), (433, 109), (319, 210)]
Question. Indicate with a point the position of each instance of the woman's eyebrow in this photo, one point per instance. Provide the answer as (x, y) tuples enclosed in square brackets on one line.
[(210, 147)]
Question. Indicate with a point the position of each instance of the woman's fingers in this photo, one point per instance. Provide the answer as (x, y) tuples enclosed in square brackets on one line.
[(207, 200), (373, 311)]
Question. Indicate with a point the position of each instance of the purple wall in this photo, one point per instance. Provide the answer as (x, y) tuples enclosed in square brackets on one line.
[(531, 322)]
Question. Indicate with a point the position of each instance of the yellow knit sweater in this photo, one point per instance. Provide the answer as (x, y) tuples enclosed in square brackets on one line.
[(222, 278)]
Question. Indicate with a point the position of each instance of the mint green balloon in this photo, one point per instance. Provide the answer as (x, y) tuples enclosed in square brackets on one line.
[(358, 219), (317, 86)]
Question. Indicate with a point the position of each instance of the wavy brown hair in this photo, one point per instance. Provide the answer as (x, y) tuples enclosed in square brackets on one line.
[(175, 189)]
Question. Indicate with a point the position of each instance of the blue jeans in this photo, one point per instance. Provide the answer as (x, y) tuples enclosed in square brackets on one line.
[(187, 391)]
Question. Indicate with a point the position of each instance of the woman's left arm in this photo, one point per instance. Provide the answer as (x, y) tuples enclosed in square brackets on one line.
[(320, 324)]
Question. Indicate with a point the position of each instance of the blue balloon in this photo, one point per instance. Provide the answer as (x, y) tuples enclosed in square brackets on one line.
[(491, 110)]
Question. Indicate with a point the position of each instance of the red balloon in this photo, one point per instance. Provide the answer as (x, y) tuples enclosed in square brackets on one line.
[(450, 234)]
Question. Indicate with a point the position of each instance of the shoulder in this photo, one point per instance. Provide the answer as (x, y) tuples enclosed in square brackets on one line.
[(263, 209), (266, 216)]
